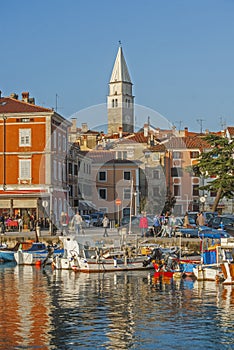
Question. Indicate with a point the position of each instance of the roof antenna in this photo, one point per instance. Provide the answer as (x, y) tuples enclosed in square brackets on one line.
[(120, 44), (200, 121)]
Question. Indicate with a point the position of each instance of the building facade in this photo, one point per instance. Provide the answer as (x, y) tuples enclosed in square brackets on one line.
[(33, 148)]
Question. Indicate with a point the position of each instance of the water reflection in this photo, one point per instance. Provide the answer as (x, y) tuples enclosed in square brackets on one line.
[(51, 309)]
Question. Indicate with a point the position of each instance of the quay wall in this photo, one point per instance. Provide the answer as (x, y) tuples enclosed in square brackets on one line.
[(187, 244)]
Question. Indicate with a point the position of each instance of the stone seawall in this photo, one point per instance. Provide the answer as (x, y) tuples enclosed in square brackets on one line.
[(188, 245)]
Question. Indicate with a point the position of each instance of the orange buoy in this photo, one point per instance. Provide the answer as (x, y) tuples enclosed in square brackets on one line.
[(38, 263)]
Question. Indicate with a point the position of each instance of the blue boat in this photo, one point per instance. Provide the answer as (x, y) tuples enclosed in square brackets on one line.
[(38, 254), (7, 254)]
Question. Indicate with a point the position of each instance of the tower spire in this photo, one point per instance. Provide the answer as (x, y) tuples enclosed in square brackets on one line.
[(120, 100)]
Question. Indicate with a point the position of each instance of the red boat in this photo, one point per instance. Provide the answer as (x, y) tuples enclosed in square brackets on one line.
[(162, 272)]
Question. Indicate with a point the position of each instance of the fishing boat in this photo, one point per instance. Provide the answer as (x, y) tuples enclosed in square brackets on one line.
[(166, 262), (7, 254), (83, 256), (216, 262), (227, 263), (37, 254)]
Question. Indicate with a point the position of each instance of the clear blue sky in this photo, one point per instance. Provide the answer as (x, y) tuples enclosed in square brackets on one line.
[(180, 55)]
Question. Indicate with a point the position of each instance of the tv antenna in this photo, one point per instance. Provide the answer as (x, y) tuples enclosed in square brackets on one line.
[(200, 122)]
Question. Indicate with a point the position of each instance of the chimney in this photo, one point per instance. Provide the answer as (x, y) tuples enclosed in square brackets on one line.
[(120, 132), (146, 129), (14, 95), (84, 127), (25, 96), (186, 132), (73, 127)]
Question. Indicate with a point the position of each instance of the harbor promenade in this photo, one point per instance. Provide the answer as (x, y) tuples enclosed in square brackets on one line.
[(95, 234)]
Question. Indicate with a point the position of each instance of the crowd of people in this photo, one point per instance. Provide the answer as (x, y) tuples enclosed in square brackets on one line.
[(165, 225)]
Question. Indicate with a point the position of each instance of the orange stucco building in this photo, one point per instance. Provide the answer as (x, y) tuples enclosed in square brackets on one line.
[(33, 148)]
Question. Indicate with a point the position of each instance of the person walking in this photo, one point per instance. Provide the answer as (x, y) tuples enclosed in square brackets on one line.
[(143, 224), (105, 223), (77, 220)]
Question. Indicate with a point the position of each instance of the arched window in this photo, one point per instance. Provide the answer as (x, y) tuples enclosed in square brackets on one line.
[(116, 103), (113, 103)]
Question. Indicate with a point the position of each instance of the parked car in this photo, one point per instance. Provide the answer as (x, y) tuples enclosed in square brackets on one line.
[(230, 229), (86, 220), (221, 222), (207, 215), (96, 219)]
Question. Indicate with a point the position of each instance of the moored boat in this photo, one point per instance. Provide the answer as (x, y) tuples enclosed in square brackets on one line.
[(39, 254), (217, 263), (82, 256), (7, 254)]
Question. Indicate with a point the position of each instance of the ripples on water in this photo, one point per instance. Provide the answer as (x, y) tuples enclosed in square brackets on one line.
[(67, 310)]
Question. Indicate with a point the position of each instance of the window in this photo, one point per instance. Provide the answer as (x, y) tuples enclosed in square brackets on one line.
[(156, 191), (121, 155), (113, 103), (195, 190), (177, 155), (55, 170), (70, 168), (176, 190), (127, 175), (102, 193), (127, 193), (156, 174), (176, 172), (213, 193), (25, 169), (102, 176), (126, 211), (75, 169), (59, 141), (25, 137), (194, 154), (59, 171), (116, 103)]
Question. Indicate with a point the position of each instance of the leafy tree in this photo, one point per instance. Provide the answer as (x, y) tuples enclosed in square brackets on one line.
[(217, 162), (170, 202)]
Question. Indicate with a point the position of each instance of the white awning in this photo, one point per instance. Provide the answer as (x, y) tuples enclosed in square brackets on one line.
[(5, 203), (25, 203)]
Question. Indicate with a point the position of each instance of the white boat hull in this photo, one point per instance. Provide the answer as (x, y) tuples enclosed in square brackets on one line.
[(207, 273)]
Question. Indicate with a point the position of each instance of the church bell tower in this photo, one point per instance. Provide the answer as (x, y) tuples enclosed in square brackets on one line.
[(120, 101)]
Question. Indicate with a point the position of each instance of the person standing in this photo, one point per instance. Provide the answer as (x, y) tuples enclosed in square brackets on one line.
[(156, 225), (64, 220), (77, 220), (105, 223), (143, 224), (172, 225), (20, 224), (186, 220), (200, 219)]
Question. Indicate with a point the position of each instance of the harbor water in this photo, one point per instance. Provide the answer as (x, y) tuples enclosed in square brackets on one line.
[(51, 309)]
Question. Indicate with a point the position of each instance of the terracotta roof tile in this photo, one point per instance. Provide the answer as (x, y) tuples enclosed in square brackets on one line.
[(186, 143), (12, 105)]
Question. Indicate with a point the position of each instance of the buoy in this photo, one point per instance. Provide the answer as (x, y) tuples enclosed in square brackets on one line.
[(38, 263)]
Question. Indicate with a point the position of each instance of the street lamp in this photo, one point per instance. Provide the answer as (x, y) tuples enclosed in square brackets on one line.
[(51, 190), (135, 202)]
